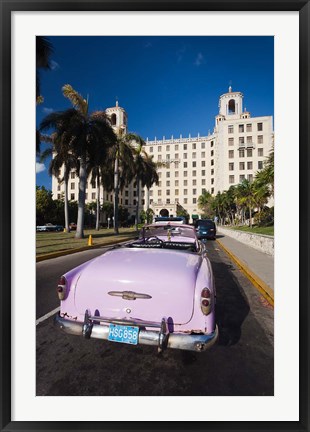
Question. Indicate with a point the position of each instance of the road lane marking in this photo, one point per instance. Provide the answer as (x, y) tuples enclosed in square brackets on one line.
[(48, 315)]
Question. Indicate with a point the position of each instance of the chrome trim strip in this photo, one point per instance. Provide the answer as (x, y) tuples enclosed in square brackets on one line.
[(129, 295), (193, 342)]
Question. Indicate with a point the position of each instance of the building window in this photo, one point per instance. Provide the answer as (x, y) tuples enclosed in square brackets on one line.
[(168, 148), (212, 190), (231, 106), (185, 192), (241, 128), (194, 182), (250, 165), (203, 145), (230, 129), (249, 153), (185, 165), (176, 192), (260, 165), (168, 192), (203, 163), (159, 184), (231, 179), (184, 155), (72, 186), (249, 140), (203, 154), (241, 140), (73, 175), (194, 155), (176, 174), (194, 164), (241, 178), (241, 166), (231, 166), (249, 127), (159, 193), (134, 193), (185, 182), (203, 182), (86, 196), (176, 156), (185, 173), (159, 174), (151, 201), (259, 126), (59, 196), (194, 173), (151, 149), (168, 174), (159, 148), (212, 162), (212, 181), (176, 183), (230, 141), (203, 173), (212, 153), (151, 192), (212, 172), (194, 146), (93, 195), (168, 157), (260, 139), (260, 152), (168, 201), (203, 191), (168, 183), (159, 158), (185, 146), (230, 154), (176, 147), (185, 200), (250, 177), (241, 153), (212, 143), (134, 202), (58, 187), (194, 200)]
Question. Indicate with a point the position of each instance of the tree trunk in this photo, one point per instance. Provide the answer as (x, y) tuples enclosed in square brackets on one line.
[(250, 209), (81, 204), (66, 204), (116, 192), (137, 204), (98, 203)]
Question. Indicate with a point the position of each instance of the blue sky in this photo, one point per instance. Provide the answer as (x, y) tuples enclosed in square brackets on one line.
[(167, 85)]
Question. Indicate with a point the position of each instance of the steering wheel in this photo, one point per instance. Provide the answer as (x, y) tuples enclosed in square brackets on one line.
[(154, 239)]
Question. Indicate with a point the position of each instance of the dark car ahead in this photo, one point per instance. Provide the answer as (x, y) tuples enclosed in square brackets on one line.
[(205, 229)]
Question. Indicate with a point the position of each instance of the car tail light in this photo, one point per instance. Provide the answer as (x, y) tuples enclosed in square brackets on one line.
[(61, 288), (205, 301)]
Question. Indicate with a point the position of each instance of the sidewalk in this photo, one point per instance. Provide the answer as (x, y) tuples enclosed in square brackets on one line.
[(258, 266)]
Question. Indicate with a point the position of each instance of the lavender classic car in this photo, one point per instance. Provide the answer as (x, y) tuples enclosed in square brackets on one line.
[(158, 290)]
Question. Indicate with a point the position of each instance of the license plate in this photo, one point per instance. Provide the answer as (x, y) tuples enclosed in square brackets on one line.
[(123, 334)]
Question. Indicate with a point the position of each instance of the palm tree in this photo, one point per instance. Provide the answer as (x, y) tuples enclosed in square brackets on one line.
[(61, 156), (204, 202), (84, 134), (144, 169), (247, 196)]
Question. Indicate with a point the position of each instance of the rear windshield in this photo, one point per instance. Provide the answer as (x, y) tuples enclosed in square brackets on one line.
[(206, 223)]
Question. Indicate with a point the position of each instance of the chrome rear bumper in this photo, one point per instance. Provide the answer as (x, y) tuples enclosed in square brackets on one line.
[(161, 338)]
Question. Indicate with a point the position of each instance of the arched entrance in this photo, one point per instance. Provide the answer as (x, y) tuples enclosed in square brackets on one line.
[(164, 213)]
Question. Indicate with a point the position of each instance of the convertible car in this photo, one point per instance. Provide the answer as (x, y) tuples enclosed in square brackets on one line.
[(157, 290)]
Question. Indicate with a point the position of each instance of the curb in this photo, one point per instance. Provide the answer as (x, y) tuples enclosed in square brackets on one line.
[(263, 288), (81, 249)]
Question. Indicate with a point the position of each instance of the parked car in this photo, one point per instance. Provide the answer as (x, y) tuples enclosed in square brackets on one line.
[(72, 226), (205, 228), (50, 227), (156, 290)]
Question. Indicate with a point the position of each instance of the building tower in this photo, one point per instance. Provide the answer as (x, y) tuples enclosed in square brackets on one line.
[(118, 118)]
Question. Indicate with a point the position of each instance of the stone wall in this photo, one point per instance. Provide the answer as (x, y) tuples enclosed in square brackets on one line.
[(263, 243)]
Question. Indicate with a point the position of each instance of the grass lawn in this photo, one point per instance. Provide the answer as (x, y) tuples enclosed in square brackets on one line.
[(47, 242), (256, 230)]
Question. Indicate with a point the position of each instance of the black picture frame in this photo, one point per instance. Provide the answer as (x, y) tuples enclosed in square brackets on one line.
[(7, 7)]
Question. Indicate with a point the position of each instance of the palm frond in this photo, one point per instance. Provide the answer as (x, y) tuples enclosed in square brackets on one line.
[(75, 98)]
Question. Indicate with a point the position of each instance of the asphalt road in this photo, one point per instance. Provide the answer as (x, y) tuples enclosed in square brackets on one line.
[(241, 364)]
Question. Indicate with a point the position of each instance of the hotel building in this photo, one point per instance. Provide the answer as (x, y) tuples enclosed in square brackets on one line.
[(234, 151)]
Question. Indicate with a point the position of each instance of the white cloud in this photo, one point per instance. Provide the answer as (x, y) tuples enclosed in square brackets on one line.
[(47, 110), (40, 167), (54, 65), (199, 59)]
